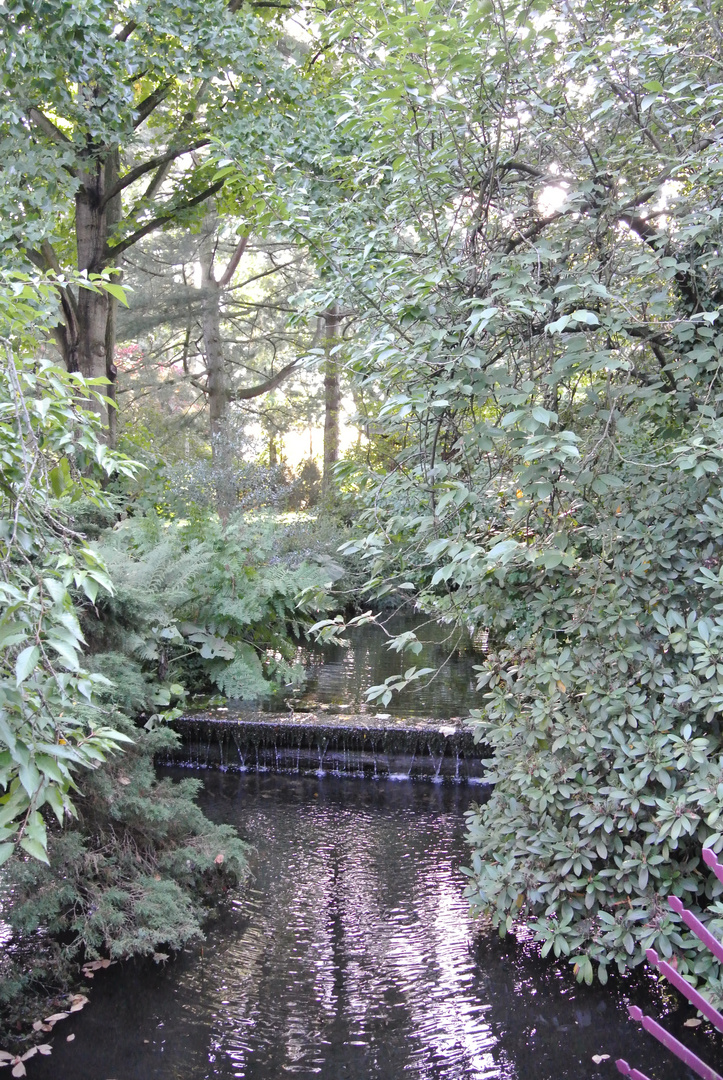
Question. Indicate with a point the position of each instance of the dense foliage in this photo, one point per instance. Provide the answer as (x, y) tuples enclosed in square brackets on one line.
[(203, 608), (529, 221), (49, 449), (106, 112), (131, 876)]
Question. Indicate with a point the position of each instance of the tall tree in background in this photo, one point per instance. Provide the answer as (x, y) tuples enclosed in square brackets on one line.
[(332, 394), (107, 109)]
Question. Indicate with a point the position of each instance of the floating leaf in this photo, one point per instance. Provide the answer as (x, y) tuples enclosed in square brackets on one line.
[(597, 1058), (694, 1022)]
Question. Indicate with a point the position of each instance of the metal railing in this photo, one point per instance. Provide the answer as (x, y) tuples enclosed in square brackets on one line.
[(652, 1026)]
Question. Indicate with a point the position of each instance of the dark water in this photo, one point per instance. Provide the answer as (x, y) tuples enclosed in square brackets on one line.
[(341, 676), (351, 956)]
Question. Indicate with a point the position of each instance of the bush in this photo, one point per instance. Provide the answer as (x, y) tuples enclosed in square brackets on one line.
[(134, 874), (202, 607), (601, 708)]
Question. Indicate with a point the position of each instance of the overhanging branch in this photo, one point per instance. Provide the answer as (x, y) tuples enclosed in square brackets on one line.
[(249, 392), (148, 166), (115, 250), (146, 107)]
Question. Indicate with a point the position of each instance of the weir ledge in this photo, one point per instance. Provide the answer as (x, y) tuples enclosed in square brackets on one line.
[(320, 742)]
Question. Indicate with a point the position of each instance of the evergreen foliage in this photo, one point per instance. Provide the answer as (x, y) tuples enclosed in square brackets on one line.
[(132, 875)]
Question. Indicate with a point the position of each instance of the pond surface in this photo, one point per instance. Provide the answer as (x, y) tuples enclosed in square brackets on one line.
[(340, 676), (350, 955)]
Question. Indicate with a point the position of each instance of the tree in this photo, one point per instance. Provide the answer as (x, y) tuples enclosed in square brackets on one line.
[(107, 113), (208, 338), (332, 395), (533, 246)]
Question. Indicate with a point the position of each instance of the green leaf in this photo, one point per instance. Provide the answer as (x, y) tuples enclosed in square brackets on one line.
[(115, 290), (60, 477), (26, 663), (35, 849)]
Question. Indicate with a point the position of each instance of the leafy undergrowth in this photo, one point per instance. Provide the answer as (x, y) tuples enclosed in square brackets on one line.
[(135, 875)]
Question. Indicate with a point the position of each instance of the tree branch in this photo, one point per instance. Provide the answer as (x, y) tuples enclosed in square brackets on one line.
[(127, 30), (146, 107), (140, 170), (249, 392), (235, 259), (162, 219), (48, 127)]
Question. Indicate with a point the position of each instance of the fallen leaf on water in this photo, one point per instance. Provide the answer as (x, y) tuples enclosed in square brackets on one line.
[(45, 1049), (160, 956), (40, 1026), (124, 781), (5, 1057), (55, 1017), (219, 859), (19, 1069), (692, 1023), (597, 1058), (70, 1038)]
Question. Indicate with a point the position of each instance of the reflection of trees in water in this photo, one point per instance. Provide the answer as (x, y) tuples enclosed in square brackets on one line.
[(343, 675), (351, 957), (361, 959)]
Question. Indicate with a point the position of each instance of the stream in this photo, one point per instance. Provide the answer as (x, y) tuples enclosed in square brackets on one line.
[(350, 954)]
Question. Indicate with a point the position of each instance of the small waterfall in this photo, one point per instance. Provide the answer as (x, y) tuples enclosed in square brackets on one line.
[(361, 745)]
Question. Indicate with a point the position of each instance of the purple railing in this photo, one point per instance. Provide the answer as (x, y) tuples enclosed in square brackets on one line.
[(682, 1052)]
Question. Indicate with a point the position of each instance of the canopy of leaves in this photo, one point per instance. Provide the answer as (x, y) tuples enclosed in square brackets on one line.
[(85, 80), (529, 221)]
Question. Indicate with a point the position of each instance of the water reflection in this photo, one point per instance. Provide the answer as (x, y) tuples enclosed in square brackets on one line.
[(350, 957), (341, 676)]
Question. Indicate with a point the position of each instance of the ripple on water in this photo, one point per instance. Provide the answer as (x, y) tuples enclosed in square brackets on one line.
[(349, 956)]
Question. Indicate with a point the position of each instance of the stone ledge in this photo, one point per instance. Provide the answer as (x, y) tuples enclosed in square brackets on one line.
[(318, 742)]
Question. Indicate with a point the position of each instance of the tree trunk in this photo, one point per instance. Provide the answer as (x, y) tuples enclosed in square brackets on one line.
[(87, 338), (216, 388), (332, 397), (273, 451), (91, 235), (216, 385), (114, 212)]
